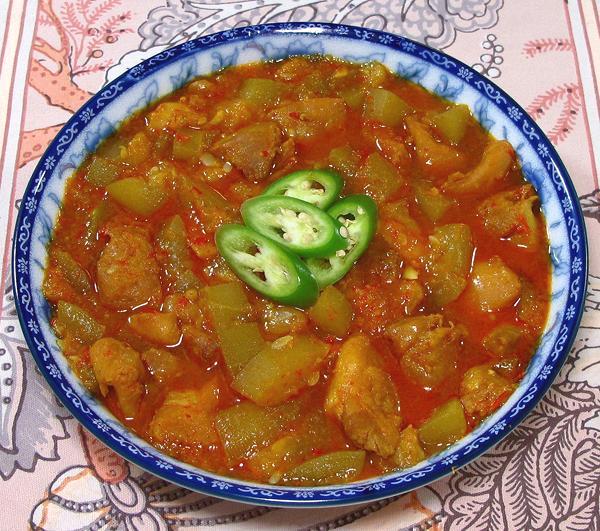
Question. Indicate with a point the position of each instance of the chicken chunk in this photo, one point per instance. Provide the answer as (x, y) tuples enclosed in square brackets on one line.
[(428, 350), (119, 366), (409, 451), (483, 390), (377, 305), (252, 149), (509, 215), (402, 232), (311, 116), (187, 417), (174, 115), (434, 158), (158, 327), (128, 274), (493, 166), (363, 398)]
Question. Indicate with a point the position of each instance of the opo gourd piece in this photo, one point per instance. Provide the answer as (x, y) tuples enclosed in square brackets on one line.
[(377, 178), (137, 195), (175, 258), (453, 123), (189, 144), (335, 467), (446, 425), (386, 107), (239, 344), (493, 285), (73, 321), (281, 369), (332, 312), (431, 200), (101, 171), (227, 304), (163, 365), (261, 91), (246, 427), (73, 272), (271, 461), (138, 149), (345, 160), (449, 262)]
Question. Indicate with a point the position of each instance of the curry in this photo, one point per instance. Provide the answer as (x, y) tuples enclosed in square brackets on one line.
[(301, 272)]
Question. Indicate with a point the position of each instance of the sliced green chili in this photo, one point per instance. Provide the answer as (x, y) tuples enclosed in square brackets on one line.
[(266, 266), (317, 187), (358, 215), (296, 225)]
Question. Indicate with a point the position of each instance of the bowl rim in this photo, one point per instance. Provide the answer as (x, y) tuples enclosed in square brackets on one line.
[(371, 489)]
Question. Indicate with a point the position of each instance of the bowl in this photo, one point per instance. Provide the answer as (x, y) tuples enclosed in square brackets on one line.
[(171, 69)]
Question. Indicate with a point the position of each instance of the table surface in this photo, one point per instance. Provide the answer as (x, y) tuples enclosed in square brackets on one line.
[(56, 53)]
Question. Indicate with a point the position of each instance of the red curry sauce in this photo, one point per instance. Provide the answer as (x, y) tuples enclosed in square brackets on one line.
[(387, 284)]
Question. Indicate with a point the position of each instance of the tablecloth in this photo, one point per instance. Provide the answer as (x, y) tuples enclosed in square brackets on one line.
[(56, 53)]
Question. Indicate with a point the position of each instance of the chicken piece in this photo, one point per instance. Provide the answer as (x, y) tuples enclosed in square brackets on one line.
[(402, 232), (128, 274), (493, 285), (362, 396), (119, 366), (492, 168), (483, 390), (503, 340), (306, 118), (377, 305), (174, 115), (252, 149), (187, 417), (509, 215), (394, 150), (428, 350), (434, 158), (185, 306), (158, 327), (409, 451)]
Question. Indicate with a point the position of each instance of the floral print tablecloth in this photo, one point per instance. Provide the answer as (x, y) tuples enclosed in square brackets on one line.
[(56, 53)]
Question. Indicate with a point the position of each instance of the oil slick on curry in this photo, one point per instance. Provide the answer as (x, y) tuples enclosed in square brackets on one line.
[(420, 339)]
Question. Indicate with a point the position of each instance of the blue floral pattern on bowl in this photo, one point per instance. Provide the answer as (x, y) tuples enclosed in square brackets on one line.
[(171, 69)]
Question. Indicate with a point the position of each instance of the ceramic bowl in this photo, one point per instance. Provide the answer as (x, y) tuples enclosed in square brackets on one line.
[(171, 69)]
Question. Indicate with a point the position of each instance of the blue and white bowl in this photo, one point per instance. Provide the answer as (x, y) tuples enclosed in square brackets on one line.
[(171, 69)]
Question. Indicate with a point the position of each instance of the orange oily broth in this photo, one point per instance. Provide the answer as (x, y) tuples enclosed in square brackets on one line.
[(416, 402)]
